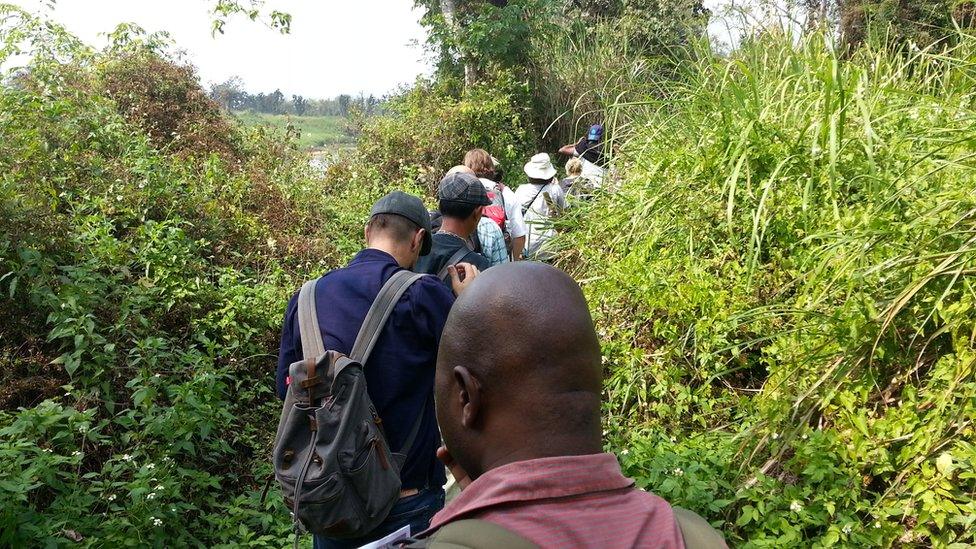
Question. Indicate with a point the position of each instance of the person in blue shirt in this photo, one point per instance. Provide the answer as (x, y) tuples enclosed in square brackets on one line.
[(400, 370)]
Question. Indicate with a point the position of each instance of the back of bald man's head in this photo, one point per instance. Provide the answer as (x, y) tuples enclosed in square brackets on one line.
[(525, 330)]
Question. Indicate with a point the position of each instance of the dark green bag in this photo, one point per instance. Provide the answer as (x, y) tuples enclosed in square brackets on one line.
[(696, 531), (481, 534), (472, 534)]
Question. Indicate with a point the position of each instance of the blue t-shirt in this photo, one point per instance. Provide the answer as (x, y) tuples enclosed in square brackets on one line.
[(400, 371)]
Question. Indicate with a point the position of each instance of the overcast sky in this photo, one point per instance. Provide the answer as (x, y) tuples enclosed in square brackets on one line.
[(335, 46)]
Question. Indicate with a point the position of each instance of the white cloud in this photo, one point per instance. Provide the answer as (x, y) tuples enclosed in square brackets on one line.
[(334, 46)]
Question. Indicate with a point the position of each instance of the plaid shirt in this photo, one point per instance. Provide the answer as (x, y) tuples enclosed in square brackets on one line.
[(492, 242), (570, 501)]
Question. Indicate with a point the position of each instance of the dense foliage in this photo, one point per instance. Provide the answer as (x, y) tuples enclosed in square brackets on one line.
[(147, 248), (784, 280), (781, 273)]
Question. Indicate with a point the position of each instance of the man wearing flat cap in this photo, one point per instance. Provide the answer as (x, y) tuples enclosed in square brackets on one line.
[(400, 371), (462, 197)]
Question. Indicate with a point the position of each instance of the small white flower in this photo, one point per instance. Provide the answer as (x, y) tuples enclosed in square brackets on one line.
[(157, 375), (160, 488), (775, 436), (674, 439), (796, 506), (111, 497), (150, 466), (151, 496), (877, 524), (126, 457), (173, 509), (82, 428), (67, 394), (118, 197), (47, 450), (624, 452), (157, 522), (76, 453), (678, 472), (847, 529)]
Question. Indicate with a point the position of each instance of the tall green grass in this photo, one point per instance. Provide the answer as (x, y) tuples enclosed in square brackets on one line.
[(784, 277)]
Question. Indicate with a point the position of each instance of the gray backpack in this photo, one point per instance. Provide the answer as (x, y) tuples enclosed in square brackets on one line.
[(331, 458)]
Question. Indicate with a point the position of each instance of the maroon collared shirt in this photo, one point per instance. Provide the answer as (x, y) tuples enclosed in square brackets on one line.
[(571, 501)]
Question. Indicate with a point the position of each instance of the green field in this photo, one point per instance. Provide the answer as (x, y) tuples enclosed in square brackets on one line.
[(316, 131)]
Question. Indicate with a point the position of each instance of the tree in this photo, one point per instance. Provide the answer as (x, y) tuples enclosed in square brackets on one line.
[(229, 94), (344, 103), (922, 22), (276, 102), (299, 104), (470, 36), (652, 27)]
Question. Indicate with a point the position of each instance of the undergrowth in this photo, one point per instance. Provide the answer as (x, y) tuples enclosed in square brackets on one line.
[(784, 282)]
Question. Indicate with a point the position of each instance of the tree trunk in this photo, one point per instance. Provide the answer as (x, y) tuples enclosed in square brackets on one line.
[(449, 11)]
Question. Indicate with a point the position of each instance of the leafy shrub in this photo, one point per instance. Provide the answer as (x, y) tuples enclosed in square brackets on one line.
[(428, 128), (165, 100), (143, 285)]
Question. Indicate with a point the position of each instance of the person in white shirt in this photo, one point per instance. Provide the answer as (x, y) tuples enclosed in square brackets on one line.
[(504, 210), (539, 199)]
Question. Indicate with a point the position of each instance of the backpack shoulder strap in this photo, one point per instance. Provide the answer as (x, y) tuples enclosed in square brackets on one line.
[(697, 533), (500, 187), (526, 207), (308, 322), (454, 260), (475, 534), (379, 312)]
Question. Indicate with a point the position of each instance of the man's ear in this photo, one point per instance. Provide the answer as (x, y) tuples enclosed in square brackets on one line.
[(418, 240), (366, 233), (469, 397)]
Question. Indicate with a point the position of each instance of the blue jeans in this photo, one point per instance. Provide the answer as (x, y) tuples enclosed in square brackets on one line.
[(416, 510)]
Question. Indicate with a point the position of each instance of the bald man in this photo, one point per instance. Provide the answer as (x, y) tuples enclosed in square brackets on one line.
[(521, 420)]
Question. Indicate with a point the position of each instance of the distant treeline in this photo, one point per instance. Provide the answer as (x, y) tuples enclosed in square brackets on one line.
[(232, 96)]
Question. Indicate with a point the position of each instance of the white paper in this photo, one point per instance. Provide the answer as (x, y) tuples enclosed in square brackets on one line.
[(387, 542)]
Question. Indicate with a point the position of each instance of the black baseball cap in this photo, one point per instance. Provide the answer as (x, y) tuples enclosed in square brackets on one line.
[(409, 206), (463, 188)]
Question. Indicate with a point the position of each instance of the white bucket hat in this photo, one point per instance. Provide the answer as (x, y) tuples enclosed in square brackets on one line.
[(540, 167)]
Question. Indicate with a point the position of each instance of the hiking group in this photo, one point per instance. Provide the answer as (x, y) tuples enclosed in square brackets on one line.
[(490, 367)]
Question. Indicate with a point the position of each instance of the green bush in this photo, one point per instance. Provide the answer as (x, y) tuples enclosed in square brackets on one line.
[(143, 277), (428, 128), (784, 279)]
